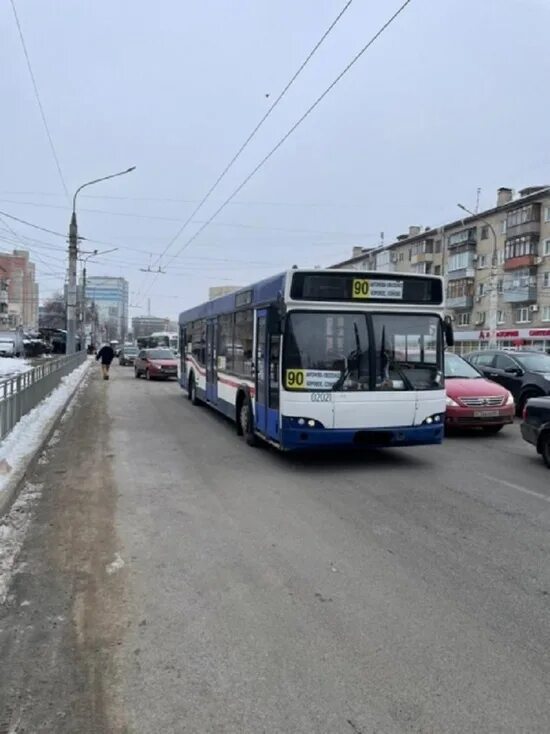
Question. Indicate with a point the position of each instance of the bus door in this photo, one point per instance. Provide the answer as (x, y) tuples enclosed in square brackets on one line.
[(211, 361), (267, 377)]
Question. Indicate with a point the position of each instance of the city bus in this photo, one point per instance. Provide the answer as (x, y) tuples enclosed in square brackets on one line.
[(323, 358)]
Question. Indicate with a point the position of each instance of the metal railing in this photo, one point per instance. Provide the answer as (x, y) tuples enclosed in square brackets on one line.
[(21, 393)]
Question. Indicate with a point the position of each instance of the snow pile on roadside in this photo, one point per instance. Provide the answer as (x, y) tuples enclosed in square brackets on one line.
[(13, 528), (24, 440), (12, 366)]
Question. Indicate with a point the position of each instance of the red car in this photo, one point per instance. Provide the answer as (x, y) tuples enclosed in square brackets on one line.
[(472, 400), (156, 364)]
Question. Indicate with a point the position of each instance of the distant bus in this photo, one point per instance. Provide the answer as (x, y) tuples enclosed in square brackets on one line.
[(159, 339), (323, 358)]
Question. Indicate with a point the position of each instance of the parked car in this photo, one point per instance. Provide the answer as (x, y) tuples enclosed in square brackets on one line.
[(156, 363), (536, 426), (127, 356), (472, 400), (525, 373)]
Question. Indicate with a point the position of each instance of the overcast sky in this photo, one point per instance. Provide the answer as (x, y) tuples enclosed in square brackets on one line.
[(454, 96)]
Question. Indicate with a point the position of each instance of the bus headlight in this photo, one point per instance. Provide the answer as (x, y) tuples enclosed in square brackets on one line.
[(435, 419)]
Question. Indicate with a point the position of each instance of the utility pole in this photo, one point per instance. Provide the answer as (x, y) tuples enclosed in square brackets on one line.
[(71, 286), (73, 256)]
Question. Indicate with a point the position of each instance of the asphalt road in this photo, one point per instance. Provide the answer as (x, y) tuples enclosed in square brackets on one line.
[(203, 586)]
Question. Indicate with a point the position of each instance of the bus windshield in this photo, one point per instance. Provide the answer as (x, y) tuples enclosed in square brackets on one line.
[(330, 350)]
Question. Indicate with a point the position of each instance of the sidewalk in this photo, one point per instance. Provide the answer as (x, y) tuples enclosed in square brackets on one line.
[(57, 628)]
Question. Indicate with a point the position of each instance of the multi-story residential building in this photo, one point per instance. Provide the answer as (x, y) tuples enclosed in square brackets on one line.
[(517, 231), (18, 290), (147, 325), (108, 297)]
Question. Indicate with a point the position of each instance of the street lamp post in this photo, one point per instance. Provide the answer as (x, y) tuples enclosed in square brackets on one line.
[(493, 289), (73, 257)]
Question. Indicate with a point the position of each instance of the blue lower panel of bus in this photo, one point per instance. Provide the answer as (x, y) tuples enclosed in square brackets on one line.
[(293, 437)]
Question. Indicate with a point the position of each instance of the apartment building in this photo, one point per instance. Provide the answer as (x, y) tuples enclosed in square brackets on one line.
[(517, 230), (18, 290), (109, 298)]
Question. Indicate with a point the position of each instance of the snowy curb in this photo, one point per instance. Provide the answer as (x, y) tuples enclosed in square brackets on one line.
[(42, 421)]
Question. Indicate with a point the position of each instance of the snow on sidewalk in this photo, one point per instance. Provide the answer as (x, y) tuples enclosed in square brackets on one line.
[(24, 440), (17, 449)]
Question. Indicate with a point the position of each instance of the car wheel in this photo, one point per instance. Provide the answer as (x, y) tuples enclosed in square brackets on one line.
[(136, 374), (193, 391), (524, 397), (545, 448), (147, 375), (246, 421), (492, 430)]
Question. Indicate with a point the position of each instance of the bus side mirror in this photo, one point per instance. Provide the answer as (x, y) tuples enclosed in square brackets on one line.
[(275, 322), (448, 330)]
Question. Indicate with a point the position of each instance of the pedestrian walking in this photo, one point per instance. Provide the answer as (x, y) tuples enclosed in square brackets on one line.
[(105, 355)]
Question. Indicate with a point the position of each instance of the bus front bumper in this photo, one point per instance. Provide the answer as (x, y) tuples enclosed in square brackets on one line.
[(293, 437)]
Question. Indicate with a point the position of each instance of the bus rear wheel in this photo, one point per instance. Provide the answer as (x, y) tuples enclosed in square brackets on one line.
[(193, 391), (246, 423)]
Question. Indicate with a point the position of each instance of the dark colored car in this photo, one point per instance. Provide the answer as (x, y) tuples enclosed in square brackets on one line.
[(472, 400), (127, 356), (536, 426), (525, 373), (156, 364)]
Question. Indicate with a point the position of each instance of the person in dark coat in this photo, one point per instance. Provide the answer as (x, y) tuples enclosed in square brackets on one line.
[(105, 355)]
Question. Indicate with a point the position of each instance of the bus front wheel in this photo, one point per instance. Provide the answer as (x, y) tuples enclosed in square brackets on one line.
[(246, 422)]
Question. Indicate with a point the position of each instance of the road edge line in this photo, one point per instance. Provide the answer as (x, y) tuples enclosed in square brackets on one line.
[(16, 482)]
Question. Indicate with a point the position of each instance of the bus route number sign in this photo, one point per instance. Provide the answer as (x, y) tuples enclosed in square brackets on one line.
[(362, 288), (295, 379)]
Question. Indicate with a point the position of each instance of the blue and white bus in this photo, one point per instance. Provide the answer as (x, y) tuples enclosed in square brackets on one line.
[(318, 358)]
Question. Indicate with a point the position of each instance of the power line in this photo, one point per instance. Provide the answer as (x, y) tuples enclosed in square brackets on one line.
[(35, 226), (292, 129), (37, 95), (255, 130)]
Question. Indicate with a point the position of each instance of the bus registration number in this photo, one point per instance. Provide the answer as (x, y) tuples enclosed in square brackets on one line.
[(321, 397)]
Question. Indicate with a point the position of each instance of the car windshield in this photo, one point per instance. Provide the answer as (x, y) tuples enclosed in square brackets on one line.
[(160, 354), (327, 350), (129, 350), (455, 366), (534, 362)]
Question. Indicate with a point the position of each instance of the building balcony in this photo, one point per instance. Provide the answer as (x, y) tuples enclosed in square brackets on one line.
[(516, 230), (425, 257), (524, 294), (525, 261), (468, 272), (461, 303)]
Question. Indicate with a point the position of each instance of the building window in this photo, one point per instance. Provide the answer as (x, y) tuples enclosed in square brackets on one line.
[(437, 270), (500, 284), (547, 213), (500, 257), (460, 288), (546, 313), (521, 247), (464, 318), (460, 261), (484, 232), (521, 216), (522, 315), (401, 258), (546, 279), (501, 317), (480, 289), (546, 248), (503, 227), (462, 237), (481, 261), (437, 248), (480, 317)]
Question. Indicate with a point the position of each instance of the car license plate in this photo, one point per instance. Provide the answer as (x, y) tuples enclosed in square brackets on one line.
[(486, 413)]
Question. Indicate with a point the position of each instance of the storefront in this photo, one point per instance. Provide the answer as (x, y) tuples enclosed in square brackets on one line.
[(470, 341)]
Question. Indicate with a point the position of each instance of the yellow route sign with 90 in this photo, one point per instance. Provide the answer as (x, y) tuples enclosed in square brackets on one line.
[(295, 379), (360, 288)]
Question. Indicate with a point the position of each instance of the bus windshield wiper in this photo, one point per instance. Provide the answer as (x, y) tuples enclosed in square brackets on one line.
[(355, 354)]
